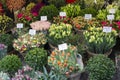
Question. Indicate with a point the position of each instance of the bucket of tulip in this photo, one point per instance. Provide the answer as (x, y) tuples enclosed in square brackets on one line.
[(66, 62)]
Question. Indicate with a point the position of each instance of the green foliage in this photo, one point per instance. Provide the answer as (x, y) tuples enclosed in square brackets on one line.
[(50, 11), (88, 11), (71, 10), (10, 64), (36, 58), (7, 39), (96, 5), (100, 68), (51, 75), (57, 3), (4, 76), (102, 14)]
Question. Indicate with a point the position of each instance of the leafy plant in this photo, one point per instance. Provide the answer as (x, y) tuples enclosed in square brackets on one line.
[(51, 75), (57, 3), (96, 4), (50, 11), (10, 64), (7, 39), (71, 10), (6, 23), (102, 14), (4, 76), (100, 68), (98, 41), (88, 11), (36, 58)]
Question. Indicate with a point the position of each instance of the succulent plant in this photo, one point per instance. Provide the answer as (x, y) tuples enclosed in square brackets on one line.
[(4, 76)]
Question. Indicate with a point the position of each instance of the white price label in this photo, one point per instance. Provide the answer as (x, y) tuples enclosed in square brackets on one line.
[(107, 29), (110, 17), (32, 32), (63, 46), (19, 25), (43, 18), (62, 14), (88, 16), (112, 11)]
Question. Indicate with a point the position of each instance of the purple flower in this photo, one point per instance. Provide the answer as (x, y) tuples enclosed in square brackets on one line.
[(37, 7), (2, 46)]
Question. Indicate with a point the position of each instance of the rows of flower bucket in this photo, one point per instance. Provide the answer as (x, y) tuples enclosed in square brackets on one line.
[(70, 31)]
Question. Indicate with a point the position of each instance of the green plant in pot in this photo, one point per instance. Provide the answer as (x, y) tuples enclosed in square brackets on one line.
[(99, 42), (6, 23), (10, 64), (58, 33), (71, 10), (7, 39), (50, 11), (36, 58), (100, 67)]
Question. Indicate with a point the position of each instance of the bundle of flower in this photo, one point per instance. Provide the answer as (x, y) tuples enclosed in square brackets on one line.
[(26, 41), (64, 62), (40, 25), (63, 19)]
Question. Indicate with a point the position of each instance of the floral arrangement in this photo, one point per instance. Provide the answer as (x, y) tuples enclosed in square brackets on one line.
[(81, 24), (98, 41), (71, 10), (60, 19), (14, 5), (64, 62), (26, 18), (26, 41), (26, 73), (40, 25), (6, 23)]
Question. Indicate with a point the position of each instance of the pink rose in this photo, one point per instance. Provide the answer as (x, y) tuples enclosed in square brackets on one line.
[(20, 15), (28, 18)]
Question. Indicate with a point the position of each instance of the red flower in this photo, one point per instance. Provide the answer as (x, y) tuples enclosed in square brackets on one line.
[(104, 23), (28, 18), (35, 14), (70, 1), (20, 15), (118, 23)]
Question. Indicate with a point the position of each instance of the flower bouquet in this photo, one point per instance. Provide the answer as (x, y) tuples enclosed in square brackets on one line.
[(99, 42), (3, 50), (65, 62), (58, 33), (26, 42)]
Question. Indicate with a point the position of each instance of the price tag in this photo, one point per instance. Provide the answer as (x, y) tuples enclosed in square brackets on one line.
[(62, 14), (43, 18), (110, 17), (19, 25), (63, 46), (112, 11), (88, 16), (32, 32), (107, 29)]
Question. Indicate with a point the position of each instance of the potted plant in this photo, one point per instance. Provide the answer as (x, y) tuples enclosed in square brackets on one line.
[(26, 42), (58, 33), (3, 50), (36, 58), (100, 67), (65, 62), (99, 42), (72, 10)]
